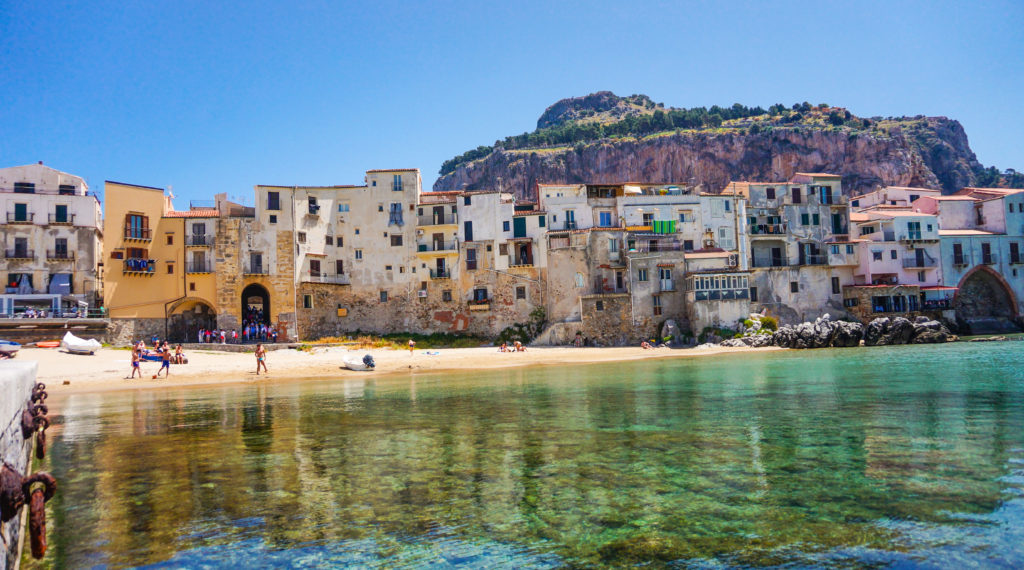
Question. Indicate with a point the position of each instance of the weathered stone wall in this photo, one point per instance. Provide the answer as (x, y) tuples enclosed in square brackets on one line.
[(126, 331), (16, 381), (612, 324)]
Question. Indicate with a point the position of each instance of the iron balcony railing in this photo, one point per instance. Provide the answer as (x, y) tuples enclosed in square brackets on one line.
[(138, 265), (989, 259), (446, 218), (397, 187), (569, 225), (19, 253), (198, 240), (65, 219), (666, 285), (768, 261), (914, 263), (199, 267), (654, 247), (438, 246), (440, 274), (766, 229), (814, 260), (60, 255), (259, 269), (49, 191), (27, 218), (514, 261), (138, 233), (326, 278)]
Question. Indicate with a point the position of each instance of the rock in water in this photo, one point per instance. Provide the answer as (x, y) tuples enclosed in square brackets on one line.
[(847, 334)]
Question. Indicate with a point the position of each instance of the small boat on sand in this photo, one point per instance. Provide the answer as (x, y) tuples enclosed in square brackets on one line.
[(9, 348), (48, 344), (366, 363), (75, 345)]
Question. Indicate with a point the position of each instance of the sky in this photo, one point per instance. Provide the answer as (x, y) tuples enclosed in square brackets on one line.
[(206, 97)]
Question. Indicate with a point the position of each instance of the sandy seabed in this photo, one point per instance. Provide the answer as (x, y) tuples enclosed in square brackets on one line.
[(109, 368)]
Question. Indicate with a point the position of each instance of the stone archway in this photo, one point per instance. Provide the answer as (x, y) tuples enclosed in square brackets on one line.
[(188, 317), (985, 303), (255, 304)]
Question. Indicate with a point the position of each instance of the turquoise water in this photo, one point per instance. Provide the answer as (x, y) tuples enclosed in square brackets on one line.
[(888, 456)]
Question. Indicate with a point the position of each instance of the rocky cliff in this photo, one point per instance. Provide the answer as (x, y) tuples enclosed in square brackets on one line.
[(758, 145)]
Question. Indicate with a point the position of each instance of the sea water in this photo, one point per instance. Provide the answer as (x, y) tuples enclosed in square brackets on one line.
[(886, 456)]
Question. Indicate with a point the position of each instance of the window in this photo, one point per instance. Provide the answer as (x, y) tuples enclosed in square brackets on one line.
[(313, 206), (1014, 252), (273, 201), (396, 185), (769, 193), (815, 219), (24, 188), (339, 267), (835, 286), (914, 197), (855, 203), (136, 225), (255, 263), (892, 254), (359, 254), (728, 206), (357, 231), (446, 295), (66, 189), (613, 245), (833, 249), (687, 245), (302, 237), (867, 230), (796, 196), (343, 207), (60, 213), (502, 249), (521, 292), (314, 268), (641, 275), (329, 240), (383, 296), (395, 214), (540, 221), (396, 240), (505, 226), (685, 216), (307, 301), (191, 286), (920, 276), (471, 259), (805, 219), (272, 219), (849, 248), (467, 200), (170, 239), (753, 294), (388, 268), (648, 219), (480, 295), (489, 248), (876, 256), (380, 207), (170, 268), (468, 230), (958, 254), (794, 287), (604, 219), (657, 304), (60, 248), (117, 255), (599, 306)]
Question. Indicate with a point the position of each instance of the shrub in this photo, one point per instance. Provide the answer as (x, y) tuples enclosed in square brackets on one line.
[(770, 323)]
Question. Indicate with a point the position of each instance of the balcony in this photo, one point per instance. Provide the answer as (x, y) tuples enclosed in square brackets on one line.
[(437, 246), (914, 263), (479, 304), (26, 218), (60, 255), (916, 237), (327, 279), (19, 253), (666, 285), (446, 219), (766, 230), (62, 191), (141, 234), (990, 259), (768, 261), (440, 274), (199, 267), (569, 225), (397, 187), (138, 266), (814, 260), (198, 241), (656, 246), (520, 262), (255, 270), (65, 220)]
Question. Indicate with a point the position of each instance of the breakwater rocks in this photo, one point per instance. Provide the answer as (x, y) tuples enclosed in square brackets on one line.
[(826, 333)]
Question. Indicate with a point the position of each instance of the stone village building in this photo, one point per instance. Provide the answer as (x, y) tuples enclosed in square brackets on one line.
[(52, 242)]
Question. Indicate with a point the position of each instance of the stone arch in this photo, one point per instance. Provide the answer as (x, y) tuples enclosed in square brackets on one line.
[(984, 301), (255, 296), (186, 317)]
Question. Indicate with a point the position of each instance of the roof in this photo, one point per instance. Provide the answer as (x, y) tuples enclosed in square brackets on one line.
[(858, 217), (966, 233), (301, 187), (707, 254), (203, 213), (393, 170), (817, 174), (900, 213), (953, 197), (133, 185)]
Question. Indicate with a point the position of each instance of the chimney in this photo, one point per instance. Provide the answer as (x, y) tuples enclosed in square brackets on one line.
[(40, 162)]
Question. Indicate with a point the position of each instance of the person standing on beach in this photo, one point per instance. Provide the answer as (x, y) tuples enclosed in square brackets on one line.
[(261, 358), (165, 360), (135, 363), (412, 345)]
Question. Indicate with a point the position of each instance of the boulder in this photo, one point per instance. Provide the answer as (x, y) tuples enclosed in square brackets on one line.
[(901, 331), (759, 340), (930, 332), (848, 334), (733, 343), (875, 330)]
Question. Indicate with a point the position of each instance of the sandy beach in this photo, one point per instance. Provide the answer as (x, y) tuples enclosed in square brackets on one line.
[(108, 368)]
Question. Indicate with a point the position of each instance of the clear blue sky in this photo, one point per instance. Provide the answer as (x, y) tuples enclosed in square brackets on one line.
[(210, 98)]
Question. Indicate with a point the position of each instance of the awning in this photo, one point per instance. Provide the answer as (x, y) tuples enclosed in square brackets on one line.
[(60, 284), (938, 288)]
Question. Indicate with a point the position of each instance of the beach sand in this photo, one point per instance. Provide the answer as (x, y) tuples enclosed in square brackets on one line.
[(108, 368)]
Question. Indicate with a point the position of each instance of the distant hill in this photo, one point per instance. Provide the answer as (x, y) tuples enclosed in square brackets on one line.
[(602, 137)]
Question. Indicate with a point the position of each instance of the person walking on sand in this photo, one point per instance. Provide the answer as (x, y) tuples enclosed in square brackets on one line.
[(135, 363), (165, 360), (261, 358), (412, 345)]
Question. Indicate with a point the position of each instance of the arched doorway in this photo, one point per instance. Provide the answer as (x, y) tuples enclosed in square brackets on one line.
[(255, 305), (985, 303), (188, 317)]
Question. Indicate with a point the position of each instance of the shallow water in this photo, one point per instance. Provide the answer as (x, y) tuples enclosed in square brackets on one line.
[(888, 456)]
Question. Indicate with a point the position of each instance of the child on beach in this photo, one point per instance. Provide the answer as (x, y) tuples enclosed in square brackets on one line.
[(412, 345), (165, 360), (261, 358), (135, 363)]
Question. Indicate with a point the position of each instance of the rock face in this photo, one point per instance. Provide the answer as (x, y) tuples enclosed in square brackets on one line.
[(930, 152), (901, 331), (826, 333), (822, 333)]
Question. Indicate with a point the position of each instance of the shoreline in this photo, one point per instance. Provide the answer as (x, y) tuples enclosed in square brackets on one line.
[(107, 370)]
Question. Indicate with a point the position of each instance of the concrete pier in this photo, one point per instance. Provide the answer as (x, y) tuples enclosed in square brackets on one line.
[(16, 382)]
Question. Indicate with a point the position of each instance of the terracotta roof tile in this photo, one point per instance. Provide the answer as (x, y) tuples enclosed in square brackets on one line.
[(204, 213)]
